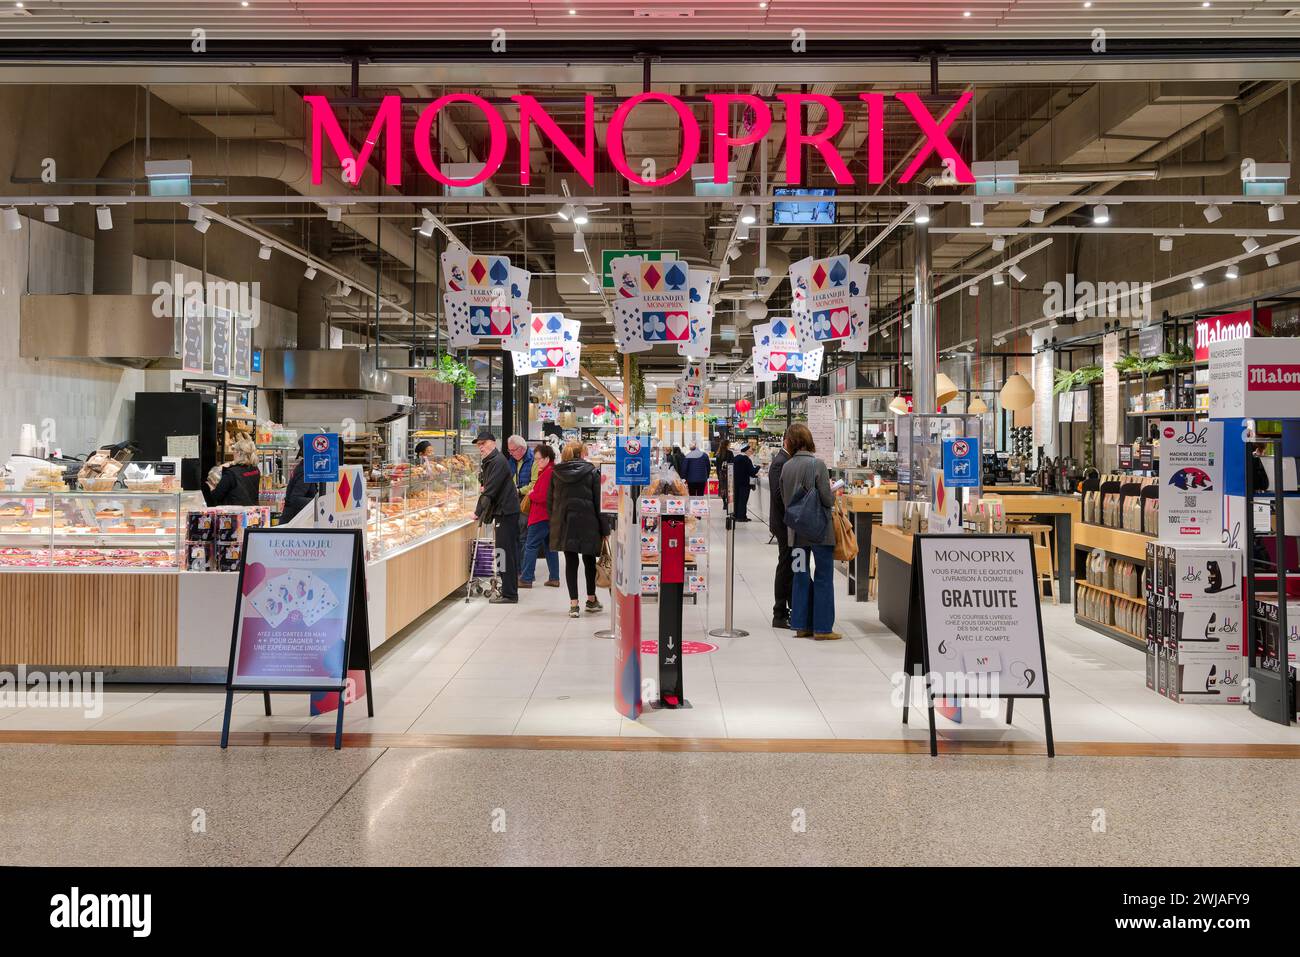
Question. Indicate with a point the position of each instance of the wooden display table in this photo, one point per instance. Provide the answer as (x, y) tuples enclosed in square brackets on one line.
[(1061, 510)]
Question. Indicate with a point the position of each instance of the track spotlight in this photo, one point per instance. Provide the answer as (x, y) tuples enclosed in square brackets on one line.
[(977, 214), (565, 212), (922, 215), (580, 216), (1166, 244), (50, 214), (1272, 259), (973, 289), (1100, 215), (265, 252), (1017, 273), (104, 217), (747, 215), (742, 232), (334, 213), (997, 278), (1275, 213), (309, 272), (202, 223), (1036, 214), (579, 241), (427, 226), (12, 221), (1213, 214), (999, 243), (1250, 244), (1198, 282), (1231, 272)]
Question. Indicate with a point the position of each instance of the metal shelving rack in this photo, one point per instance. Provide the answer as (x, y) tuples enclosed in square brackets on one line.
[(1271, 675)]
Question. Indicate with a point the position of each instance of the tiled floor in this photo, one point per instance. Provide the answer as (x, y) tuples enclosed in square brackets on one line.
[(529, 669), (126, 806)]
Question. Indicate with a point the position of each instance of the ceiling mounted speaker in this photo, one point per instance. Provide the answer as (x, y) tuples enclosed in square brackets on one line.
[(977, 406), (944, 390), (1017, 393), (756, 310)]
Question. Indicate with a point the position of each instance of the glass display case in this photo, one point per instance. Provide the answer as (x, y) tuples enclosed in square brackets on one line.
[(90, 530), (410, 504)]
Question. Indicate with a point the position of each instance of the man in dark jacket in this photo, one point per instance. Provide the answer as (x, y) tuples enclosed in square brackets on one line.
[(695, 470), (500, 497), (776, 525), (743, 470)]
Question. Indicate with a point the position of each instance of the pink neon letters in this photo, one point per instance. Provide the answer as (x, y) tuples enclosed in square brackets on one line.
[(387, 127)]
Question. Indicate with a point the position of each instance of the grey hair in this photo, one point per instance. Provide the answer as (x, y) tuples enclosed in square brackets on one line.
[(517, 440)]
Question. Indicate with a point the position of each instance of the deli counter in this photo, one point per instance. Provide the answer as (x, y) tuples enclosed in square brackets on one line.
[(142, 585)]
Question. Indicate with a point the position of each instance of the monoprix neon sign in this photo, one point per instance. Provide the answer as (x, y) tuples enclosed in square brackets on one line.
[(387, 128)]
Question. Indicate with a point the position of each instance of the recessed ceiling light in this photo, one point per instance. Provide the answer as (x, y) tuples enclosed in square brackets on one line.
[(572, 12), (1205, 3), (763, 5), (243, 3), (1087, 4), (966, 14)]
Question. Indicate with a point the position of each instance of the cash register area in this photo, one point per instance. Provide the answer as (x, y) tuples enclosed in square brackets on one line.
[(528, 670)]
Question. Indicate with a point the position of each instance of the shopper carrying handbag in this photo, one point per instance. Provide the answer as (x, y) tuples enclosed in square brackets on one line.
[(577, 524), (806, 488)]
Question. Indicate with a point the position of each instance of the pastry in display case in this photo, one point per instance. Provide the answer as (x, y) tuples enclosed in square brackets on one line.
[(408, 504), (89, 529)]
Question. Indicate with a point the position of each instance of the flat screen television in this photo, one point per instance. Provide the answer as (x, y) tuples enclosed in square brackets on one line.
[(806, 213)]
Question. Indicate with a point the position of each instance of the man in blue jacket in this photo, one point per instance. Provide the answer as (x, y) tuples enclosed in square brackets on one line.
[(695, 470)]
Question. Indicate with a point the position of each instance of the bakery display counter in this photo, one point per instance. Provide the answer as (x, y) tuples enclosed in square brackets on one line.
[(98, 581)]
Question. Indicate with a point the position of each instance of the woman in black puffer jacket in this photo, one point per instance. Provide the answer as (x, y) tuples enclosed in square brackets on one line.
[(577, 525)]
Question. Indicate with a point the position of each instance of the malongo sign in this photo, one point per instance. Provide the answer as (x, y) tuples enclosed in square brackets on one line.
[(386, 128)]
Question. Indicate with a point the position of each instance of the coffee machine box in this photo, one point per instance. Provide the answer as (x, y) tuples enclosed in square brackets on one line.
[(1205, 577), (1153, 655), (1266, 625), (1208, 631), (1208, 679)]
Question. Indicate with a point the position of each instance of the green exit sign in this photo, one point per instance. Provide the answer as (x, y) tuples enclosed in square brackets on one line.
[(609, 255)]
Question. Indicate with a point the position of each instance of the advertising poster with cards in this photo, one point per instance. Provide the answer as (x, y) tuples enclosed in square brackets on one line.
[(1191, 482), (981, 614), (292, 626), (828, 298), (665, 314)]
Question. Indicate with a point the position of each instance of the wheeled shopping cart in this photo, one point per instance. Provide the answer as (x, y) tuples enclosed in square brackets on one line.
[(483, 579)]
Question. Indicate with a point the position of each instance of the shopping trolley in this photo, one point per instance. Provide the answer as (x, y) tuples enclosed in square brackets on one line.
[(483, 580)]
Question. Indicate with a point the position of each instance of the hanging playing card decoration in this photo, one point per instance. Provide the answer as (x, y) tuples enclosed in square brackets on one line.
[(455, 269), (489, 291), (801, 317), (828, 298), (701, 315), (664, 294), (523, 362), (456, 307), (810, 364), (546, 340), (625, 273), (519, 282), (859, 309)]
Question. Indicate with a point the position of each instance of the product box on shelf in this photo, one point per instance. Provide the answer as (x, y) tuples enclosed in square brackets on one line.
[(1206, 679), (1153, 658), (1265, 628), (1207, 631), (1202, 576)]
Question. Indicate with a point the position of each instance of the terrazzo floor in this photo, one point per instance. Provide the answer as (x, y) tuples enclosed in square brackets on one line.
[(528, 669), (136, 805)]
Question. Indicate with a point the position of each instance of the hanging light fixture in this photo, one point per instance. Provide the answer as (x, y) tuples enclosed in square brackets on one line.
[(899, 406), (977, 406), (945, 390), (1016, 394)]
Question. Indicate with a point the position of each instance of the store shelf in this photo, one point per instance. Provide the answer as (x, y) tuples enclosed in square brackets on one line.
[(1116, 541), (1110, 591), (1110, 631), (1158, 412)]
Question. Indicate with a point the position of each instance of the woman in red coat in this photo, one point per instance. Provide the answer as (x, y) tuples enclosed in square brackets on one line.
[(537, 543)]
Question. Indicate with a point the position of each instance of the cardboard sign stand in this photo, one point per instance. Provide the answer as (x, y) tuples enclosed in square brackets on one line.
[(356, 645), (918, 650)]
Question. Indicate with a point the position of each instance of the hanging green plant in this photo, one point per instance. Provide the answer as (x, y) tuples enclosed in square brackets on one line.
[(766, 411), (636, 386), (1067, 380), (456, 373)]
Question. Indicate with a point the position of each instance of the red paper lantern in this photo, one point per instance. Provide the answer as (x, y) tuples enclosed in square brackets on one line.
[(743, 406), (597, 410), (742, 424), (613, 406)]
